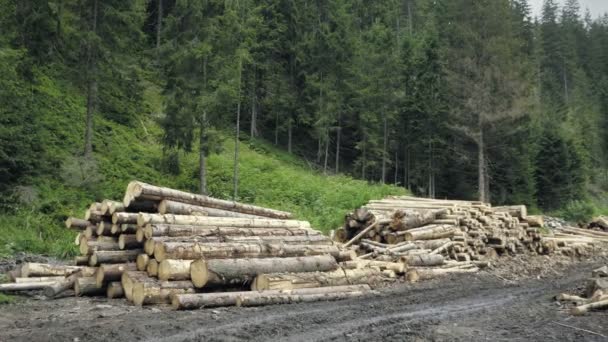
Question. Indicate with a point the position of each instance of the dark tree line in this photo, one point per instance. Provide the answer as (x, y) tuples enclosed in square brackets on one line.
[(448, 98)]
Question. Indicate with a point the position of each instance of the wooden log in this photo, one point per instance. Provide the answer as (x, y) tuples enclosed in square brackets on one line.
[(216, 272), (138, 206), (94, 216), (128, 241), (37, 279), (397, 267), (106, 205), (76, 223), (142, 262), (115, 290), (341, 235), (178, 208), (438, 232), (115, 230), (127, 281), (600, 222), (144, 218), (33, 269), (207, 300), (535, 221), (124, 218), (152, 291), (152, 268), (150, 244), (423, 260), (128, 228), (81, 260), (114, 257), (293, 240), (416, 274), (263, 298), (138, 190), (62, 285), (154, 230), (87, 286), (171, 269), (90, 232), (341, 276), (362, 233), (104, 228), (519, 211), (101, 243), (194, 250), (582, 309), (112, 272), (33, 286)]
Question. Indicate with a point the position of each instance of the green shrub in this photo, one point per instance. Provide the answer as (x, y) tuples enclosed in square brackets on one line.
[(578, 211)]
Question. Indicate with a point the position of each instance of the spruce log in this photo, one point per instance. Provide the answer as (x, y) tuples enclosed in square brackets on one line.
[(142, 262), (535, 221), (124, 218), (128, 228), (171, 269), (282, 281), (94, 216), (153, 230), (115, 290), (112, 272), (37, 279), (397, 267), (114, 257), (152, 268), (87, 286), (81, 260), (153, 291), (138, 190), (178, 208), (207, 300), (115, 230), (431, 234), (128, 279), (194, 250), (8, 287), (101, 243), (423, 260), (128, 241), (264, 298), (104, 228), (59, 286), (150, 244), (144, 218), (519, 211), (415, 274), (14, 274), (582, 309), (34, 269), (293, 240), (107, 204), (76, 223), (90, 232), (216, 272)]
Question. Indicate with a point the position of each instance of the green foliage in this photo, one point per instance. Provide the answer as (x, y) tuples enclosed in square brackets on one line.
[(579, 211)]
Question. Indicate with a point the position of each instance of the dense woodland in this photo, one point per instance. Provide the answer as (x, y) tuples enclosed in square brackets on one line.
[(448, 98)]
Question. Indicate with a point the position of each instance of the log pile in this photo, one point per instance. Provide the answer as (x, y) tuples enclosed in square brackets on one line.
[(164, 246), (596, 296), (436, 237)]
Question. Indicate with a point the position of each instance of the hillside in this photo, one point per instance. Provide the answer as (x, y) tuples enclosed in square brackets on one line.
[(269, 177)]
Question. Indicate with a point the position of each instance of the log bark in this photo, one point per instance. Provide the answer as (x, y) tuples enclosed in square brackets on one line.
[(115, 290), (101, 243), (423, 260), (408, 219), (139, 190), (112, 272), (519, 211), (206, 221), (25, 286), (33, 269), (114, 257), (171, 269), (178, 208), (127, 281), (207, 300), (397, 267), (150, 244), (107, 204), (291, 240), (152, 291), (535, 221), (128, 241), (263, 298), (124, 218), (416, 274), (62, 285), (217, 272), (193, 251), (128, 228), (81, 260), (94, 216), (582, 309), (76, 223), (438, 232), (152, 230), (282, 281), (37, 279), (104, 228), (87, 286)]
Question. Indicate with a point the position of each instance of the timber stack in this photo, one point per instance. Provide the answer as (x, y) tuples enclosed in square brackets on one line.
[(165, 246), (436, 237)]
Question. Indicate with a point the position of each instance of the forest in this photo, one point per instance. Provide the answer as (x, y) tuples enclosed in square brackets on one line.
[(472, 99)]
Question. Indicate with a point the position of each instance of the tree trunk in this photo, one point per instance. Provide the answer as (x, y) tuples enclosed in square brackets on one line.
[(87, 286), (114, 257), (115, 290), (33, 269), (263, 298), (338, 136), (102, 243), (289, 136), (194, 250), (409, 219), (236, 137), (432, 233), (152, 268), (91, 86), (152, 291), (206, 221), (220, 272), (128, 279), (276, 128), (207, 300), (128, 241), (159, 21), (142, 261), (125, 218), (339, 277), (138, 190), (202, 158), (326, 151), (176, 231), (384, 148), (253, 128), (481, 164), (25, 286), (424, 260), (62, 285), (76, 223)]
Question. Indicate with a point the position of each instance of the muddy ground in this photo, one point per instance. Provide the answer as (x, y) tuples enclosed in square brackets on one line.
[(511, 303)]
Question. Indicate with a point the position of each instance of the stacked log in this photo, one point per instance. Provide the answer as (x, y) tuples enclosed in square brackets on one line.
[(464, 234), (160, 243), (596, 296)]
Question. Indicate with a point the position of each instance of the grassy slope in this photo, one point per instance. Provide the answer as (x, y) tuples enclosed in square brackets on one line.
[(269, 177)]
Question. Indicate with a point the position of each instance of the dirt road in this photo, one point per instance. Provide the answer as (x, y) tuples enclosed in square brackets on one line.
[(479, 307)]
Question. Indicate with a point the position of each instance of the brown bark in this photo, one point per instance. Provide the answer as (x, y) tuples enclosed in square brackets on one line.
[(282, 281), (423, 260), (137, 190), (178, 208), (187, 230), (25, 286), (144, 219), (240, 271), (114, 257), (122, 218)]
